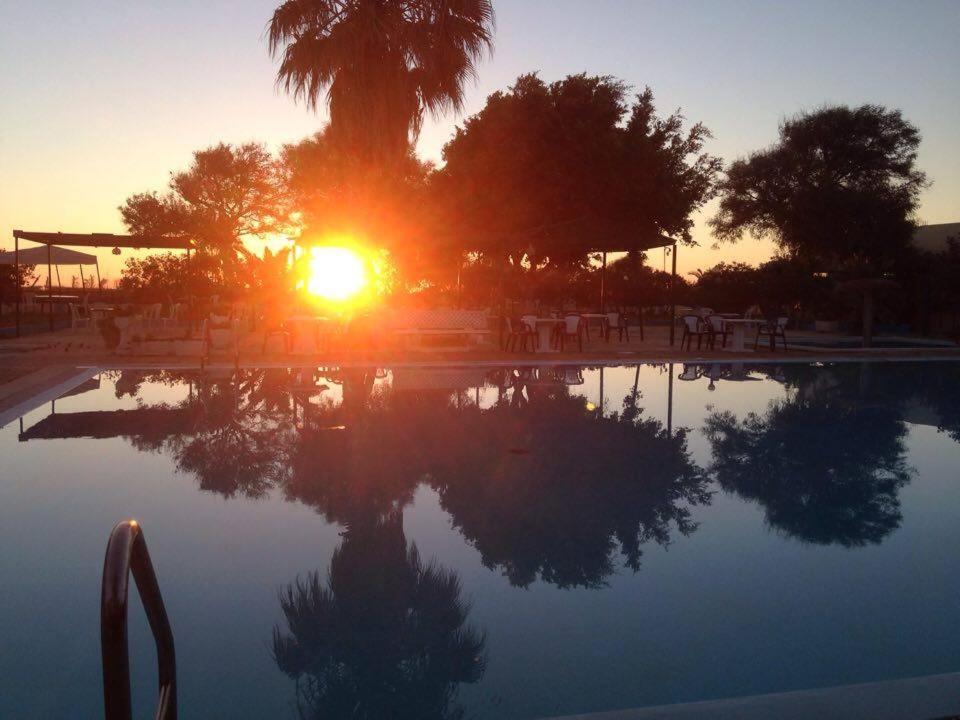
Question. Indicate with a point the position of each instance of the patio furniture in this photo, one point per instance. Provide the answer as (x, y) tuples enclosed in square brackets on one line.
[(548, 330), (151, 314), (716, 326), (415, 326), (693, 327), (277, 331), (219, 333), (530, 323), (739, 326), (571, 329), (773, 330), (690, 372), (599, 318), (618, 321), (519, 332), (78, 320)]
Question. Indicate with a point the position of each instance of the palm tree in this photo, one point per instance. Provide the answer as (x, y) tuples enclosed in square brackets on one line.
[(379, 64)]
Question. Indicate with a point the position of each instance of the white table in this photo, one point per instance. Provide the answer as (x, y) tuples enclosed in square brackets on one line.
[(601, 319), (545, 328), (739, 327)]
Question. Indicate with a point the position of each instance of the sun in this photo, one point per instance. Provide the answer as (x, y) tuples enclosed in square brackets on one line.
[(337, 274)]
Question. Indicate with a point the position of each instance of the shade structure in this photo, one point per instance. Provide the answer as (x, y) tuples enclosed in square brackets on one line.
[(38, 256), (136, 242), (53, 241)]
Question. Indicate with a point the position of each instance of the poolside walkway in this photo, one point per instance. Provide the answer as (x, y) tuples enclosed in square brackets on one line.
[(22, 355), (935, 697)]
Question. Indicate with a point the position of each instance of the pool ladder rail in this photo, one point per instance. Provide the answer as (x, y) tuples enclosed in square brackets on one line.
[(127, 553)]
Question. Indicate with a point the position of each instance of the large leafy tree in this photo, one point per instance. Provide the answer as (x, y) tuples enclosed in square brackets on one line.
[(230, 194), (379, 64), (545, 172), (839, 188)]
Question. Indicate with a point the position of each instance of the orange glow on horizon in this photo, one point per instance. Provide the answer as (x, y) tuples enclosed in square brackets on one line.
[(337, 274)]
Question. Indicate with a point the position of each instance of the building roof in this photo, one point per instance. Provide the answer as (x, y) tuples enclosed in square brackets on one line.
[(933, 238)]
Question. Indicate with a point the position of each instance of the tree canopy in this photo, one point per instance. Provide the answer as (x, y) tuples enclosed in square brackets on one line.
[(547, 172), (379, 64), (229, 194), (838, 188)]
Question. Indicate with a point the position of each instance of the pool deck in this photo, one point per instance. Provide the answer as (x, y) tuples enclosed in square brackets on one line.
[(80, 349), (934, 697)]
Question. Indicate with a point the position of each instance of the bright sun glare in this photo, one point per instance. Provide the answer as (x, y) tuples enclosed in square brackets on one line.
[(336, 273)]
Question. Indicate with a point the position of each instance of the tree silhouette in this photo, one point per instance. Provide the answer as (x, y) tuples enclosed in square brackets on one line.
[(384, 638), (379, 64), (826, 465)]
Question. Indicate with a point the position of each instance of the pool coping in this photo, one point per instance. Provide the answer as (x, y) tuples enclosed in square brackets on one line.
[(626, 359), (922, 698)]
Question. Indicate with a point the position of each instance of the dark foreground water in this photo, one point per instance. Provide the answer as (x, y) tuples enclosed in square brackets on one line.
[(506, 543)]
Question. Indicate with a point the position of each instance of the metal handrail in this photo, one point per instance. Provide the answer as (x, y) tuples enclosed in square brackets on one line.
[(126, 553)]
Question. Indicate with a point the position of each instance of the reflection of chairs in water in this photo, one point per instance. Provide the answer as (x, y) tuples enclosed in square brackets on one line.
[(690, 372), (568, 374)]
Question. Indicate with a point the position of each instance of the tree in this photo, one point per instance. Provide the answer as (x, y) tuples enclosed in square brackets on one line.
[(228, 195), (545, 173), (379, 64), (10, 280), (839, 190)]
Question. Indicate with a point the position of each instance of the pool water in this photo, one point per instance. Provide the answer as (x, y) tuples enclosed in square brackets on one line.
[(487, 542)]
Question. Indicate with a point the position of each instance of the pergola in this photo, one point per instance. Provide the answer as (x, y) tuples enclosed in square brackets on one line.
[(641, 244), (55, 242)]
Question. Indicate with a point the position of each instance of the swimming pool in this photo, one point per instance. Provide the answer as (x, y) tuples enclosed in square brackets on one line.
[(499, 542)]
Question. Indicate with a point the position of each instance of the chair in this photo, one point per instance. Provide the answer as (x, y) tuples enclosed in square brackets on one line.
[(693, 327), (572, 328), (77, 319), (219, 336), (151, 315), (517, 332), (773, 330), (617, 321), (716, 327), (530, 323)]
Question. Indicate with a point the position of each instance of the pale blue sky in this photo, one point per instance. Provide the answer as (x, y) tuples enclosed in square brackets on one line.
[(101, 98)]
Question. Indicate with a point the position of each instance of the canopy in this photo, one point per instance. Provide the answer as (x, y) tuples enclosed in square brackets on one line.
[(105, 240), (38, 256)]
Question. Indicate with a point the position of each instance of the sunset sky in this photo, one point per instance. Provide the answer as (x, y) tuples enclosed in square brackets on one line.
[(100, 98)]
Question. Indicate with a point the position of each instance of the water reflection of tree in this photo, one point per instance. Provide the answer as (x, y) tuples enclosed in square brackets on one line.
[(386, 636), (550, 489), (826, 463)]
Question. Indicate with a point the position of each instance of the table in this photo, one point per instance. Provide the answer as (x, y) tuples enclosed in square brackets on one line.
[(56, 299), (739, 326), (604, 320), (545, 328)]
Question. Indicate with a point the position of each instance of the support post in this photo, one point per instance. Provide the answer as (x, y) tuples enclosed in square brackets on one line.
[(99, 284), (50, 286), (603, 284), (83, 283), (16, 279), (670, 402), (673, 298), (59, 281)]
